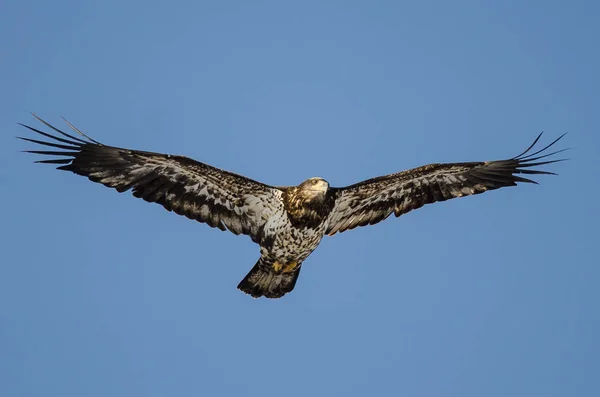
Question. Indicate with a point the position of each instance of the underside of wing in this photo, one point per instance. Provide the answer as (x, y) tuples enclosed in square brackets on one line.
[(182, 185), (372, 201)]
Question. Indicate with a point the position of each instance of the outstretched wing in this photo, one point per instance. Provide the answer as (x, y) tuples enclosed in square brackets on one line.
[(190, 188), (373, 200)]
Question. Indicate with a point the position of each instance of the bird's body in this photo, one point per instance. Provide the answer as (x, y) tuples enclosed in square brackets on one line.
[(286, 241), (288, 223), (289, 237)]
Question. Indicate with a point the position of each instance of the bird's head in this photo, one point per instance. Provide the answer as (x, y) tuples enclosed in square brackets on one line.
[(314, 188)]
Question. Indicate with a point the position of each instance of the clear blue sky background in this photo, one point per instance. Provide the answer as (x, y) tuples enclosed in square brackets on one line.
[(102, 294)]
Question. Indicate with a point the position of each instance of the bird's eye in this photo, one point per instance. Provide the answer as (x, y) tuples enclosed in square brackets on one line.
[(314, 181)]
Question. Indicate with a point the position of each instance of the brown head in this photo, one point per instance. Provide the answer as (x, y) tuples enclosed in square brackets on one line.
[(313, 189), (307, 204)]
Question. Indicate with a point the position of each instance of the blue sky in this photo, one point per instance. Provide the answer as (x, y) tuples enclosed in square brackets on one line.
[(102, 294)]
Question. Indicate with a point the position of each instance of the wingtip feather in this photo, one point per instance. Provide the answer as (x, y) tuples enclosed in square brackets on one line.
[(78, 131)]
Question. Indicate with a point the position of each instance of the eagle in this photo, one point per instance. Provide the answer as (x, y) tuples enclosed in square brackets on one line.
[(287, 222)]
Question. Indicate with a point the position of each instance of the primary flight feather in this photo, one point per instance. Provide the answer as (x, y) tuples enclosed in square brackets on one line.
[(287, 222)]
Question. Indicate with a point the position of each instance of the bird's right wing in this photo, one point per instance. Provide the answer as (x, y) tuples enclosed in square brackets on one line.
[(190, 188), (371, 201)]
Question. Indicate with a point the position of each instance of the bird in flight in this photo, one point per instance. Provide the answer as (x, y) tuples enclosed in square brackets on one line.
[(287, 222)]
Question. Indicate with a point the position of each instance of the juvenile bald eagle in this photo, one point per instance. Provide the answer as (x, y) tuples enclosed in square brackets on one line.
[(287, 222)]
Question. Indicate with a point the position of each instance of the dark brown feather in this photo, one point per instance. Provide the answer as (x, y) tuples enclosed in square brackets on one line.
[(187, 187), (304, 212), (373, 200)]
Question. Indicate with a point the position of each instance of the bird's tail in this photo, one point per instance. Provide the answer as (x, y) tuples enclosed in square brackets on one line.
[(270, 280)]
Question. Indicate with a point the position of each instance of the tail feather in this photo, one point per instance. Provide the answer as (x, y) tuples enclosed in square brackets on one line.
[(263, 280)]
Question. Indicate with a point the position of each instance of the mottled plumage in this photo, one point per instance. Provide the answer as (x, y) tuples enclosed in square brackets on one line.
[(287, 222)]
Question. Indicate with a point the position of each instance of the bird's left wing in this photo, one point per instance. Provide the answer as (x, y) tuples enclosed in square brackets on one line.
[(373, 200), (190, 188)]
